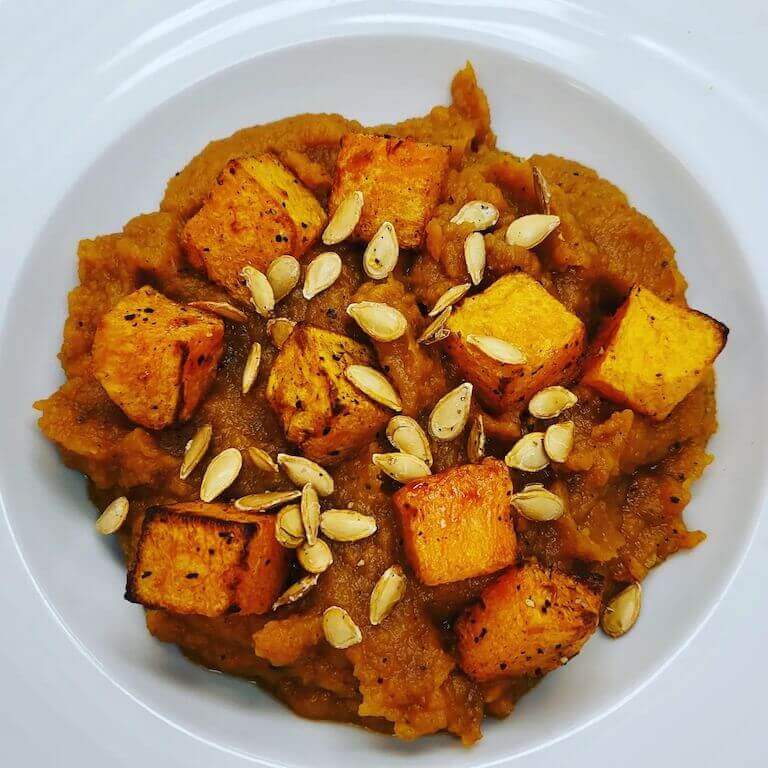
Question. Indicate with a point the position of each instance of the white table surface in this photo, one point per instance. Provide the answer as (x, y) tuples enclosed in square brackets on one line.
[(707, 709)]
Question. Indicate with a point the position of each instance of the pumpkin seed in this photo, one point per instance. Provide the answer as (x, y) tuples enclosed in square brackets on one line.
[(315, 558), (538, 504), (474, 256), (622, 610), (262, 460), (381, 253), (449, 298), (476, 440), (196, 448), (407, 436), (379, 321), (345, 218), (261, 502), (529, 231), (550, 402), (339, 629), (310, 513), (296, 591), (374, 384), (279, 329), (323, 271), (541, 188), (222, 308), (251, 369), (479, 214), (436, 330), (262, 296), (401, 466), (497, 349), (113, 516), (528, 454), (301, 471), (450, 415), (221, 473), (283, 275), (289, 529), (347, 525), (387, 593), (558, 441)]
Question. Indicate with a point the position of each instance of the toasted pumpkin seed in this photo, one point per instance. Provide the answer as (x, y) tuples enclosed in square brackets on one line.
[(197, 447), (558, 440), (476, 440), (402, 467), (296, 591), (528, 454), (345, 218), (279, 329), (436, 330), (538, 504), (497, 349), (407, 436), (339, 629), (310, 513), (374, 384), (301, 471), (550, 402), (474, 256), (450, 415), (262, 460), (251, 369), (622, 610), (347, 525), (378, 320), (283, 275), (261, 502), (479, 214), (541, 188), (323, 271), (529, 231), (449, 298), (387, 593), (262, 296), (289, 529), (381, 253), (315, 558), (113, 516), (221, 473), (222, 308)]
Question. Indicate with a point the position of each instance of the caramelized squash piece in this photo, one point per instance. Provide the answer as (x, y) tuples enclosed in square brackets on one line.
[(156, 359)]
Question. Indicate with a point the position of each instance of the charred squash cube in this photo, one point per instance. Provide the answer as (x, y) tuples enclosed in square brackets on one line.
[(321, 412), (400, 179), (155, 358), (256, 211), (530, 621), (652, 354), (207, 559), (458, 524), (517, 309)]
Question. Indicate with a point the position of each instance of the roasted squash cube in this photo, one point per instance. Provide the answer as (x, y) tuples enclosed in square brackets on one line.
[(652, 354), (321, 412), (400, 179), (256, 211), (517, 309), (530, 621), (207, 559), (458, 523), (156, 359)]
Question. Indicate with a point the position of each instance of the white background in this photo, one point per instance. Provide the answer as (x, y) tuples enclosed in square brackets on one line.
[(707, 709)]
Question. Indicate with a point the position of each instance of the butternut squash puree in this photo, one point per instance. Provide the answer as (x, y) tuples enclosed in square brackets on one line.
[(626, 483)]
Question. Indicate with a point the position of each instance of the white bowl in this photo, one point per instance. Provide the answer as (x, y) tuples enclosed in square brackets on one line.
[(377, 77)]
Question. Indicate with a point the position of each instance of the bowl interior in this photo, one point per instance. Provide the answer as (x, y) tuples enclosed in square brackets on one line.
[(534, 109)]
